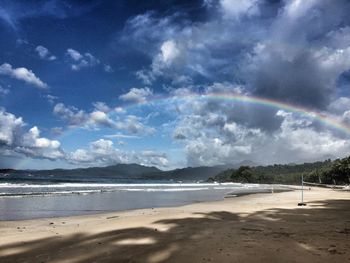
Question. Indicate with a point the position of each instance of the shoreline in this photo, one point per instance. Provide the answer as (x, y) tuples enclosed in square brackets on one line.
[(114, 188), (124, 199), (231, 230)]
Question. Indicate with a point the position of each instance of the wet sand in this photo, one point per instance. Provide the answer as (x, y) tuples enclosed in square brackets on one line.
[(252, 228)]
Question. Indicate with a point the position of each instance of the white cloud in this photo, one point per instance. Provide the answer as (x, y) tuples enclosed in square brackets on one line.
[(145, 76), (152, 158), (101, 106), (51, 98), (225, 132), (133, 124), (10, 126), (169, 51), (333, 61), (74, 54), (339, 38), (22, 74), (44, 53), (296, 136), (295, 141), (225, 88), (214, 151), (121, 136), (340, 105), (282, 50), (182, 51), (14, 140), (137, 95), (98, 118), (37, 146), (298, 8), (119, 110), (102, 152), (72, 115), (80, 61), (165, 58), (237, 8)]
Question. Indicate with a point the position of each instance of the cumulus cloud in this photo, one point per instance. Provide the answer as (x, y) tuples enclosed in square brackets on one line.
[(137, 95), (340, 105), (10, 126), (100, 152), (103, 152), (79, 61), (133, 124), (290, 51), (211, 138), (298, 137), (15, 140), (151, 158), (101, 106), (165, 59), (305, 72), (182, 50), (169, 51), (23, 74), (215, 132), (287, 50), (101, 117), (44, 53), (70, 114), (75, 55)]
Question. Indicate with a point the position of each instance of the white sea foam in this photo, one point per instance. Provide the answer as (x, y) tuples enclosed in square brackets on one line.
[(165, 189), (22, 189), (79, 185)]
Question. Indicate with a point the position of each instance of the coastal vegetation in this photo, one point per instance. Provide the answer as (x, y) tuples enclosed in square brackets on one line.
[(326, 172)]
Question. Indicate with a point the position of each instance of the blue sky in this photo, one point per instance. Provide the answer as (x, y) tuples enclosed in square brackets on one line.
[(80, 82)]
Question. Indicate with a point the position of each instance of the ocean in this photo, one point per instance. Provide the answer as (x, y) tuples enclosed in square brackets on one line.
[(29, 200)]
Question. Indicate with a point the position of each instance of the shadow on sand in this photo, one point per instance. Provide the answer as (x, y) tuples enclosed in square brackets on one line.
[(320, 233)]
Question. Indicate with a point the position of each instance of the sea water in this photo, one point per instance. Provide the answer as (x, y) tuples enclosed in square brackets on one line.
[(20, 201)]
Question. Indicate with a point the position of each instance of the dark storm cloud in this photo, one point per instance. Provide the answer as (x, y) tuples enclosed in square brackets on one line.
[(291, 51), (209, 50), (299, 81), (276, 48), (288, 64)]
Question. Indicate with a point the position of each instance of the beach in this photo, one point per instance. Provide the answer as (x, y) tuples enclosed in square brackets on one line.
[(264, 227)]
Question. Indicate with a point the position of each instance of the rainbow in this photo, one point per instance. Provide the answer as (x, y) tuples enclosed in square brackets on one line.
[(329, 121), (325, 119)]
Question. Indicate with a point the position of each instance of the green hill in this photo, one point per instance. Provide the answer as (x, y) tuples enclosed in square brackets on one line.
[(326, 172)]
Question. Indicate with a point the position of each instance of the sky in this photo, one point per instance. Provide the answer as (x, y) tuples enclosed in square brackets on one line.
[(173, 83)]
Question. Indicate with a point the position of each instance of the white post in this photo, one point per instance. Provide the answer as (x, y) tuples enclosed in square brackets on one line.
[(302, 192), (302, 188)]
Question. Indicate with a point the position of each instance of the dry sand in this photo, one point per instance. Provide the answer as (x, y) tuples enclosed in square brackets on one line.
[(253, 228)]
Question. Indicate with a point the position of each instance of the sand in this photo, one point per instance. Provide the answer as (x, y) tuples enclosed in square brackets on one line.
[(253, 228)]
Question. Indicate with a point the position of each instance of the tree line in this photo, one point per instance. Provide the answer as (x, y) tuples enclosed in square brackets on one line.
[(326, 172)]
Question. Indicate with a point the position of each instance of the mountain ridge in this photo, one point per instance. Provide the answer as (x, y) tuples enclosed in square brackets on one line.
[(115, 172)]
